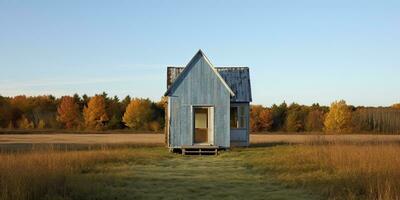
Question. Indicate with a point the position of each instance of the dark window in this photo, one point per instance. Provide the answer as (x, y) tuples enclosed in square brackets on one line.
[(238, 117), (234, 117), (242, 117)]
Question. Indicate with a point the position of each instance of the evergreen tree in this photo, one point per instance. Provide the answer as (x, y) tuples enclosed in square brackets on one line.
[(278, 116)]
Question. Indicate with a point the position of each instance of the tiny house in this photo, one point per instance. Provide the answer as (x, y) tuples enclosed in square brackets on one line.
[(207, 105)]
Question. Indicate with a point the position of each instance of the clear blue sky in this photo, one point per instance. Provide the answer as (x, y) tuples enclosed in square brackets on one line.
[(301, 51)]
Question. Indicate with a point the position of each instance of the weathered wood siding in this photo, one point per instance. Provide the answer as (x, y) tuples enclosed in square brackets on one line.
[(200, 86), (240, 137), (238, 79)]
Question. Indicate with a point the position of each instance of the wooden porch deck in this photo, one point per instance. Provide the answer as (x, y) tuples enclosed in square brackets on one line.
[(199, 150)]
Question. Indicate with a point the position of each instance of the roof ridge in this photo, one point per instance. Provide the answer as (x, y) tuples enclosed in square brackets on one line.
[(177, 66)]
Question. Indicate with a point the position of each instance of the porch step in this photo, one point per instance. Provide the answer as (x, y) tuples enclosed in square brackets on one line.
[(199, 150)]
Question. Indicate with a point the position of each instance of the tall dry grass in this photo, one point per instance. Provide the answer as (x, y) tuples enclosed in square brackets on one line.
[(338, 171), (43, 174), (358, 171)]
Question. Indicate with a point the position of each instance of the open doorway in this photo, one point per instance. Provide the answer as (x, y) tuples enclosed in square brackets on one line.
[(203, 125)]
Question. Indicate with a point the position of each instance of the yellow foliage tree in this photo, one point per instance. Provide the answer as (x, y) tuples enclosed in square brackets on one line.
[(24, 123), (339, 117), (41, 124), (154, 126), (68, 112), (138, 114), (95, 113)]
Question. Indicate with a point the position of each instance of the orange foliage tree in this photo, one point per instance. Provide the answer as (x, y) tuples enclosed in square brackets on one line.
[(68, 112), (95, 113), (260, 118)]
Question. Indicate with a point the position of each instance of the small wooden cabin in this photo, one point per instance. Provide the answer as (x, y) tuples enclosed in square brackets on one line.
[(207, 105)]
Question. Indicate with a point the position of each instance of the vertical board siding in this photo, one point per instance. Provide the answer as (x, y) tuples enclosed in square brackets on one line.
[(199, 86), (237, 78)]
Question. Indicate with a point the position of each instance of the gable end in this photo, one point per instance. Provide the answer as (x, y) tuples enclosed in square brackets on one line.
[(185, 70)]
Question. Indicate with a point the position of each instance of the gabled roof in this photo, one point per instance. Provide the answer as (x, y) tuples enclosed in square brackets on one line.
[(237, 78), (191, 63)]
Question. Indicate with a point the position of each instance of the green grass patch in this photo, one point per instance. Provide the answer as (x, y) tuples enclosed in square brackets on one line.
[(180, 177)]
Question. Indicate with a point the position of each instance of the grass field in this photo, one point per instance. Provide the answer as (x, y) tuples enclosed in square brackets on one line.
[(158, 139), (134, 173), (305, 168), (335, 171)]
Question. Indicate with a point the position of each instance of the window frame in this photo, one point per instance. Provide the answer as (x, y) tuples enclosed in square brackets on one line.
[(241, 117)]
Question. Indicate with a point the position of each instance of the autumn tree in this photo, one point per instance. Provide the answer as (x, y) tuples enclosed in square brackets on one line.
[(44, 108), (396, 106), (94, 113), (295, 120), (24, 123), (138, 114), (41, 124), (260, 118), (159, 109), (22, 103), (338, 118), (5, 112), (315, 120), (68, 112)]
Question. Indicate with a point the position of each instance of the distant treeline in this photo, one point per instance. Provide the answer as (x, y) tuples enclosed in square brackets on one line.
[(101, 112), (339, 117)]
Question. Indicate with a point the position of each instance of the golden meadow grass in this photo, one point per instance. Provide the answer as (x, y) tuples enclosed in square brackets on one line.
[(350, 169), (43, 173), (338, 171)]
